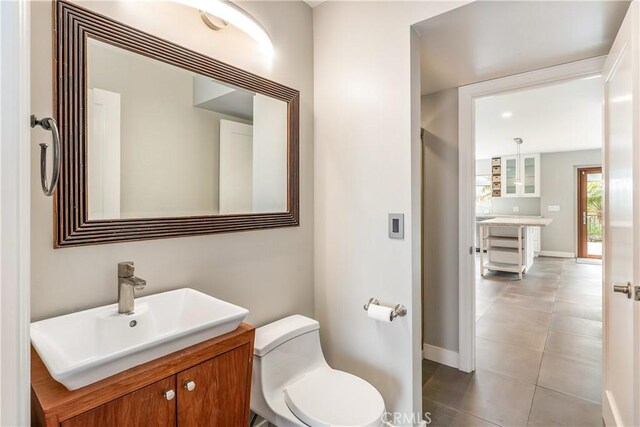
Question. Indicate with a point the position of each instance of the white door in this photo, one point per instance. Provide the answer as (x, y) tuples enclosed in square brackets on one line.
[(621, 380), (103, 154), (236, 167)]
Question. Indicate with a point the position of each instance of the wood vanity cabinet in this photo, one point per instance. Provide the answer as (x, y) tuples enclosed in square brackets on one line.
[(211, 382)]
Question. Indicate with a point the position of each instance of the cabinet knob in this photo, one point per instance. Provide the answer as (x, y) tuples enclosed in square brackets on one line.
[(169, 394), (190, 385)]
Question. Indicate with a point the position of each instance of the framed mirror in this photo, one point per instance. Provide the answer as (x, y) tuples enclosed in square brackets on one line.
[(160, 141)]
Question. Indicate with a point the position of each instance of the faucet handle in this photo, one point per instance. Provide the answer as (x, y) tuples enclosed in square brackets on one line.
[(125, 269)]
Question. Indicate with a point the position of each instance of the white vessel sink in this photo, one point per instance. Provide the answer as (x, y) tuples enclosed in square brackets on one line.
[(81, 348)]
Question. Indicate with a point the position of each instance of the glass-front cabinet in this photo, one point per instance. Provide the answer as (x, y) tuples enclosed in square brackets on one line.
[(510, 173), (521, 179)]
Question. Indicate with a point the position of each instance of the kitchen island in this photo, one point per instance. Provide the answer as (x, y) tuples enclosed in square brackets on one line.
[(508, 242)]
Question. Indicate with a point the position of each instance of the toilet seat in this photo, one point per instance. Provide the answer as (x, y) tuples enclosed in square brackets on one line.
[(328, 397)]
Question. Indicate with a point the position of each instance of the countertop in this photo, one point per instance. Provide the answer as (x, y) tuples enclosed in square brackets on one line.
[(520, 221), (482, 216)]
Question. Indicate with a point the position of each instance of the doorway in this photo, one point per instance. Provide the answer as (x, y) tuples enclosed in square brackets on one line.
[(590, 213)]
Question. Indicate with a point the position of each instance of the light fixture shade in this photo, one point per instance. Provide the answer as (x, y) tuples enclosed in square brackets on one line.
[(518, 180), (235, 16)]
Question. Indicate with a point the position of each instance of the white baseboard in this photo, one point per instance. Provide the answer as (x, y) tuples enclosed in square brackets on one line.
[(556, 254), (592, 261), (440, 355)]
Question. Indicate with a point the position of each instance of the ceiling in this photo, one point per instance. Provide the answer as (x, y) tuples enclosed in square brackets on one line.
[(562, 117), (485, 40)]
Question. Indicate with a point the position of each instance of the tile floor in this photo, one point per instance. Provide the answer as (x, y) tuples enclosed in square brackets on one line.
[(538, 352)]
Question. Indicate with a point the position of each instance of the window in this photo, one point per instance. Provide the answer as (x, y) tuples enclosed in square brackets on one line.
[(483, 194)]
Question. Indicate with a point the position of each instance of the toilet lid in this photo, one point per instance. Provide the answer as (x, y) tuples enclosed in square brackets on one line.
[(327, 397)]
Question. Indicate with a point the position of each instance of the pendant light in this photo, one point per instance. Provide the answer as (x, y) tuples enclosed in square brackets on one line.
[(518, 180)]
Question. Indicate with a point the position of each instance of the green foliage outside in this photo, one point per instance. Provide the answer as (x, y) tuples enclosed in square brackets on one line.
[(594, 211)]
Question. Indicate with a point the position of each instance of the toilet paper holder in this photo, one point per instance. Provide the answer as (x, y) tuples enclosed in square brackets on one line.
[(398, 311)]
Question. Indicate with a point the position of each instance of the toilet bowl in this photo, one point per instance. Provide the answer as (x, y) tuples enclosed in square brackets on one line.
[(293, 385)]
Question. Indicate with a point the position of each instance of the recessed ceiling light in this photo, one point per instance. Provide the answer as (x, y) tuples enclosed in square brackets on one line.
[(507, 114)]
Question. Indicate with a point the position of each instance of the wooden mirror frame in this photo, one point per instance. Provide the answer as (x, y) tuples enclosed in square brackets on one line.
[(72, 227)]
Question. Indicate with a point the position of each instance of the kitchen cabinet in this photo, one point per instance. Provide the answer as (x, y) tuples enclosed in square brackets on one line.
[(528, 172), (208, 384), (536, 238)]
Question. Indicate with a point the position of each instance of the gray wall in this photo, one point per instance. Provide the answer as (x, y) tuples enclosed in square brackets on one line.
[(559, 187), (269, 272), (440, 121)]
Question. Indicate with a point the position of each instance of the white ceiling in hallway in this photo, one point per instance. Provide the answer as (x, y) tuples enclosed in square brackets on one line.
[(562, 117), (485, 40)]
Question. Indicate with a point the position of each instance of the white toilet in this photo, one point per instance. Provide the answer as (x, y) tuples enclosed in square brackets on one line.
[(294, 386)]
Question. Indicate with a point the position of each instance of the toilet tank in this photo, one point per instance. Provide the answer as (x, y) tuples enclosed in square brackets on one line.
[(284, 350)]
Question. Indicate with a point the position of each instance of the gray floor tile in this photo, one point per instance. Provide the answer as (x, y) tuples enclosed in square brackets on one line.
[(576, 298), (466, 420), (482, 305), (447, 386), (574, 377), (591, 312), (551, 408), (439, 415), (498, 399), (507, 313), (576, 326), (512, 332), (574, 346), (541, 294), (436, 414), (490, 290), (527, 303), (581, 288), (556, 306), (516, 362), (428, 369)]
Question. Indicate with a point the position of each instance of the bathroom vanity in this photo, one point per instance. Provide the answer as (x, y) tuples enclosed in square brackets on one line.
[(207, 384)]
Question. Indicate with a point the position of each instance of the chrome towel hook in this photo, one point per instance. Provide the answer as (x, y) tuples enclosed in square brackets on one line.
[(48, 124)]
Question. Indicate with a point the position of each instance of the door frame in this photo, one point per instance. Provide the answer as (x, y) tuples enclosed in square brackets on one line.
[(582, 249), (15, 197), (466, 176)]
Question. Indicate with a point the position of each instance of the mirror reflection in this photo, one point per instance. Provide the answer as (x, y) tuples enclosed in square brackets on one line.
[(163, 141)]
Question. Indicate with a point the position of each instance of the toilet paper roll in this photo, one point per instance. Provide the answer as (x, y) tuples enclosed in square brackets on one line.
[(379, 313)]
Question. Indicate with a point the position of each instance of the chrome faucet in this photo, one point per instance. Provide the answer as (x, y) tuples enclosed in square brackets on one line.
[(127, 282)]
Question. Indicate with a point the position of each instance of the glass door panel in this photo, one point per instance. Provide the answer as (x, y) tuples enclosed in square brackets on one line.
[(510, 175), (529, 175), (590, 215)]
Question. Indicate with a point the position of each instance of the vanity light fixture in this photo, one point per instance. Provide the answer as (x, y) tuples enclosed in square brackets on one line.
[(213, 22), (230, 14), (518, 180), (507, 114)]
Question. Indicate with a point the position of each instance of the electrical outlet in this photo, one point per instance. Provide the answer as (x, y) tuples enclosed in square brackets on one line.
[(516, 209), (553, 208)]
